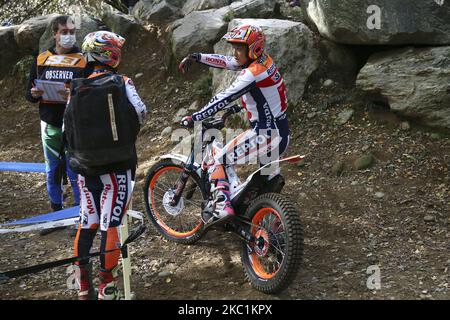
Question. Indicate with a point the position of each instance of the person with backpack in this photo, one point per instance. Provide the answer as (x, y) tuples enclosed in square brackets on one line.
[(62, 63), (101, 124), (263, 92)]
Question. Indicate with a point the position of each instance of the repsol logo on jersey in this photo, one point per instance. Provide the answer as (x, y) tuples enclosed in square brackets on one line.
[(216, 61), (271, 69), (121, 198), (211, 111), (58, 75)]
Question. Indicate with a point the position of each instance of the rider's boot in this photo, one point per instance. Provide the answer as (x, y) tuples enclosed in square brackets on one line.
[(221, 209), (87, 291), (108, 289)]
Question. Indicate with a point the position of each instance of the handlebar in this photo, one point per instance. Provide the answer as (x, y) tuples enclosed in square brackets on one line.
[(231, 110), (219, 123)]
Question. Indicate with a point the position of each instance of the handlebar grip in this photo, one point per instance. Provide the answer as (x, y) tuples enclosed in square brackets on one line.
[(231, 110), (235, 108), (187, 124)]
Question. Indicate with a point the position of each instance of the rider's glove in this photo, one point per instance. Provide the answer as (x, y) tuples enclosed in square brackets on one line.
[(187, 122), (186, 63)]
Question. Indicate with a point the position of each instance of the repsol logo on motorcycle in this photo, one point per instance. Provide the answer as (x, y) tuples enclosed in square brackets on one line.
[(216, 61), (243, 149), (120, 203)]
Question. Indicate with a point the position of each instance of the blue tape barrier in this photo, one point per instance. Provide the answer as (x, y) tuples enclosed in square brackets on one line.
[(22, 167), (68, 213)]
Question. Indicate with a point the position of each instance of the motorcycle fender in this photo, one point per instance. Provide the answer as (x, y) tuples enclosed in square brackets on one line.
[(182, 159)]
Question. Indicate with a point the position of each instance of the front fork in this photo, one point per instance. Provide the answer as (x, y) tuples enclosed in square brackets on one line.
[(179, 187)]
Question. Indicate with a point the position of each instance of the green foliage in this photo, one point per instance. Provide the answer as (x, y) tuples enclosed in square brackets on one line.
[(203, 88), (22, 68), (228, 17)]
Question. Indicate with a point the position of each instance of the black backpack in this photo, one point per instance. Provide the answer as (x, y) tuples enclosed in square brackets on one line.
[(100, 124)]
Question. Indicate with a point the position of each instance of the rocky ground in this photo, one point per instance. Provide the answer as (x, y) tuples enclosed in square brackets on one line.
[(374, 190)]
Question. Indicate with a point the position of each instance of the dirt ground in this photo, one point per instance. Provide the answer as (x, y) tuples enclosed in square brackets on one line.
[(394, 214)]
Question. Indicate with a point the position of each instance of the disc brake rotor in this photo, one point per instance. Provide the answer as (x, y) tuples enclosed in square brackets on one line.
[(172, 210)]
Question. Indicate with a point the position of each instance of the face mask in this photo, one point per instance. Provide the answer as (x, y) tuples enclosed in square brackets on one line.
[(67, 41)]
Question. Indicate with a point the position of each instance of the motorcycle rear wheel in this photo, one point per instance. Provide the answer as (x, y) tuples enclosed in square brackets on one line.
[(272, 262)]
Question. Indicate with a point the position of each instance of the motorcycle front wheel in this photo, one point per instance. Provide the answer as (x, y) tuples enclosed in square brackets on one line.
[(181, 223)]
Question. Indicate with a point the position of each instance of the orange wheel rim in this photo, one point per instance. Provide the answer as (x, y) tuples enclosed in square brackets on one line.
[(258, 252), (161, 223)]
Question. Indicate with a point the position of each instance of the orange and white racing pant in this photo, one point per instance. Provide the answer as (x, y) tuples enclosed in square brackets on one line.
[(104, 200), (261, 144)]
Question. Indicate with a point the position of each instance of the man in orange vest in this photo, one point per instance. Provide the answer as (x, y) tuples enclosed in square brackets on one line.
[(62, 63)]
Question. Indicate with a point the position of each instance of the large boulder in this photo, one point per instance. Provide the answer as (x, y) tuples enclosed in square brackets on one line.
[(199, 5), (28, 34), (338, 62), (158, 11), (415, 82), (200, 30), (252, 8), (84, 24), (197, 32), (292, 46), (400, 21), (119, 22), (9, 50)]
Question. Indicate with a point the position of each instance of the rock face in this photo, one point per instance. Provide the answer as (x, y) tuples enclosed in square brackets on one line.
[(28, 34), (158, 11), (200, 30), (9, 50), (252, 8), (199, 5), (119, 22), (376, 22), (85, 26), (338, 61), (197, 32), (415, 82), (291, 45)]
